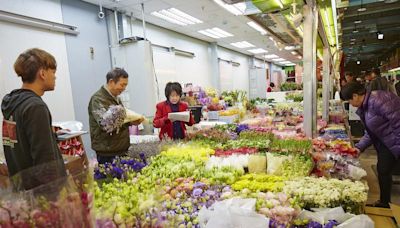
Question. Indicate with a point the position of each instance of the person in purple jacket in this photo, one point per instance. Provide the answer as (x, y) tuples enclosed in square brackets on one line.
[(380, 113)]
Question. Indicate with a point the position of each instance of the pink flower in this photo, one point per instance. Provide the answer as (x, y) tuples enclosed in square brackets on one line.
[(282, 197)]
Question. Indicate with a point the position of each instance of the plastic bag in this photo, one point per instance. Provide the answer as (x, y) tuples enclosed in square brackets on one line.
[(358, 221), (132, 116), (257, 164), (274, 162), (356, 173), (63, 202), (235, 213), (327, 214), (74, 126)]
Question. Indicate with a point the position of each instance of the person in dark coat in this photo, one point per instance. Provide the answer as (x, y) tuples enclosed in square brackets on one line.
[(380, 113), (170, 128), (29, 141)]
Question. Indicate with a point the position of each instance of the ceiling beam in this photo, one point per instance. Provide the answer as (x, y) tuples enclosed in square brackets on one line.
[(281, 25), (276, 36)]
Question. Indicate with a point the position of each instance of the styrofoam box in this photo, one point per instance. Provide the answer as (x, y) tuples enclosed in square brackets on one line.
[(213, 115), (228, 119)]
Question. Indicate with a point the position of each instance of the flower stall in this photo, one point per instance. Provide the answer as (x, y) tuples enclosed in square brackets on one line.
[(262, 170)]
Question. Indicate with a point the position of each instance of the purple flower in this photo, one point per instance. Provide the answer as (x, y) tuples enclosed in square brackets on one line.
[(104, 223), (163, 214), (241, 127), (275, 224), (197, 192), (314, 224), (113, 118), (331, 224), (199, 185), (210, 193), (233, 135), (138, 166), (99, 175), (117, 172), (202, 94), (143, 157)]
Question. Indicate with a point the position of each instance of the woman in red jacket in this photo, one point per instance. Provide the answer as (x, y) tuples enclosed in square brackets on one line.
[(169, 128)]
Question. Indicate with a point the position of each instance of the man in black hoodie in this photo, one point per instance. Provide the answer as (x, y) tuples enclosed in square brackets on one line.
[(30, 147)]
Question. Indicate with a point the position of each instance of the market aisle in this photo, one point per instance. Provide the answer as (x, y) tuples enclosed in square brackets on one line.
[(368, 160)]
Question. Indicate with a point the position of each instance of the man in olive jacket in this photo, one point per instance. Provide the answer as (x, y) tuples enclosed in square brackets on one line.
[(109, 145)]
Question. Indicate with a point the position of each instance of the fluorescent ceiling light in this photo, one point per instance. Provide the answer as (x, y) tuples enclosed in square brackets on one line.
[(176, 16), (271, 56), (222, 32), (353, 39), (204, 32), (215, 33), (290, 48), (257, 51), (171, 20), (241, 8), (235, 9), (242, 44), (355, 31), (279, 59), (257, 27), (357, 22)]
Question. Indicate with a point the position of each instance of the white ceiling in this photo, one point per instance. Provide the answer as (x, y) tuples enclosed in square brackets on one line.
[(210, 13)]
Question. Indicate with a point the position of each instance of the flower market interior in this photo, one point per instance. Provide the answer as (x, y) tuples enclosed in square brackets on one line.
[(200, 113)]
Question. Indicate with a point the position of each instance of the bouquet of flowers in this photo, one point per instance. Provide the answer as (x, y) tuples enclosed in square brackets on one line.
[(112, 119), (115, 116)]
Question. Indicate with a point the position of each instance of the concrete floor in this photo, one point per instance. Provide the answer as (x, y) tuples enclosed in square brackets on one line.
[(368, 159)]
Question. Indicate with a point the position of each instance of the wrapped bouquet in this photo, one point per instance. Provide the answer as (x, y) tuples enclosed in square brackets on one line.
[(115, 116), (63, 202)]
